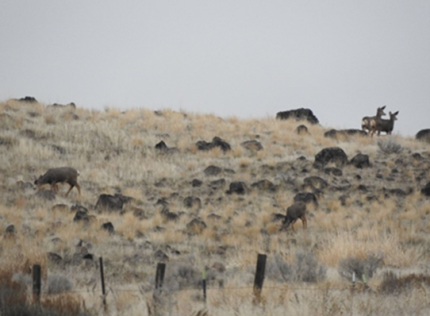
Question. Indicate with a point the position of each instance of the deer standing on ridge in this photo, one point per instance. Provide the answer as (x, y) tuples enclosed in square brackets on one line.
[(365, 122), (60, 175), (379, 125)]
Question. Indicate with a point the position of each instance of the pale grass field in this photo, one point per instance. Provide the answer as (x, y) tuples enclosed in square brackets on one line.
[(114, 153)]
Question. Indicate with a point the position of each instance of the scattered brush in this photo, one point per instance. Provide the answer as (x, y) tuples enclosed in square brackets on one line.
[(58, 284), (389, 146), (362, 268), (13, 300), (305, 268), (114, 151), (394, 284)]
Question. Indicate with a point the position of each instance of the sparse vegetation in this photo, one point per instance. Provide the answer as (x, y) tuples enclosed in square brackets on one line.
[(14, 299), (166, 206), (361, 269)]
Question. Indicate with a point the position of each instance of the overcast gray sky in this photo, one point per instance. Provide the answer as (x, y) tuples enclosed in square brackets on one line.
[(250, 59)]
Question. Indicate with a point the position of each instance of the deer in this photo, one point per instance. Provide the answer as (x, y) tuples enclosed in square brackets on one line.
[(380, 125), (60, 175), (294, 212), (365, 122)]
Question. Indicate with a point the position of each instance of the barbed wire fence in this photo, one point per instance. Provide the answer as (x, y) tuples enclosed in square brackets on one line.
[(255, 291)]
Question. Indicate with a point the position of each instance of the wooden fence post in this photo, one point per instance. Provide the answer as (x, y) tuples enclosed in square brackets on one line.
[(204, 283), (159, 279), (37, 283), (159, 276), (259, 277), (102, 277)]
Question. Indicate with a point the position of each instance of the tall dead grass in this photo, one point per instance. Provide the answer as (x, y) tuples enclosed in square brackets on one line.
[(114, 153)]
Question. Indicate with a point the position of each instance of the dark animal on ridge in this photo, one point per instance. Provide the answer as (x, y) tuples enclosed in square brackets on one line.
[(379, 125), (365, 122)]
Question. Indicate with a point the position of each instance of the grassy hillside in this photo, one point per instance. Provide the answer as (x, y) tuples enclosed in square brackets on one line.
[(371, 220)]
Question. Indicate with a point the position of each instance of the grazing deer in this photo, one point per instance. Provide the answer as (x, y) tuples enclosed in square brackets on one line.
[(294, 212), (379, 125), (365, 122), (60, 175)]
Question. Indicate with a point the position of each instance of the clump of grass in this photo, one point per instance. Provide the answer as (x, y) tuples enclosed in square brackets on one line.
[(308, 269), (8, 141), (62, 305), (245, 162), (13, 300), (182, 275), (389, 146), (11, 293), (394, 284), (58, 284), (50, 119), (305, 268), (362, 268)]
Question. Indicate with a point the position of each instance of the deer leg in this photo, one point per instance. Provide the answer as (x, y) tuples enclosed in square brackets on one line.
[(284, 226), (79, 188), (304, 221), (70, 189), (54, 187), (292, 225)]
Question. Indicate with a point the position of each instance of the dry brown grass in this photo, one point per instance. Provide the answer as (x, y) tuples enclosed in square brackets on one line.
[(114, 153)]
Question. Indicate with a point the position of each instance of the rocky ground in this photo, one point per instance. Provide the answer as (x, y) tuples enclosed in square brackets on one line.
[(201, 192)]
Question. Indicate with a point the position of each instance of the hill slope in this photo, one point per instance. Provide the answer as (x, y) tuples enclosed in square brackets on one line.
[(195, 207)]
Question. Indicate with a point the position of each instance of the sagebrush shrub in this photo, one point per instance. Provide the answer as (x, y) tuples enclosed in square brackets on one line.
[(58, 284), (389, 146), (363, 268), (305, 268)]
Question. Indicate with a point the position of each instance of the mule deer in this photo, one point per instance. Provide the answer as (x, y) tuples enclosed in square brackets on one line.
[(379, 125), (294, 212), (60, 175), (365, 122)]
